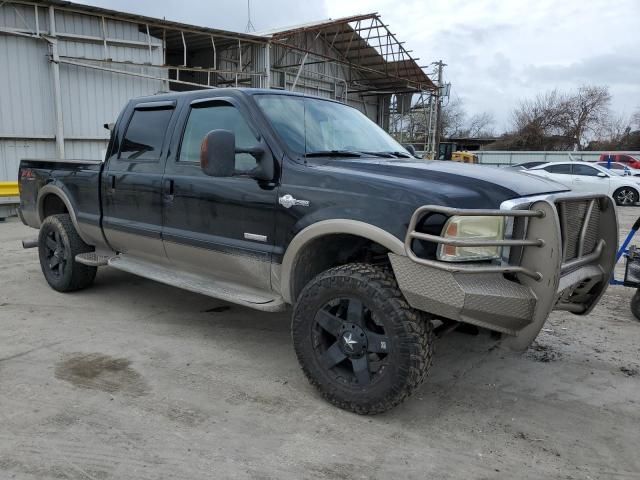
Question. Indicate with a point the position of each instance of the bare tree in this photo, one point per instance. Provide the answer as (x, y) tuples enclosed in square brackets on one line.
[(538, 124), (559, 121), (453, 118), (617, 133), (480, 125), (586, 112), (635, 119), (455, 122)]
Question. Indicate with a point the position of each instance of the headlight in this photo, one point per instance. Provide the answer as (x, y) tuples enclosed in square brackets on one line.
[(477, 228)]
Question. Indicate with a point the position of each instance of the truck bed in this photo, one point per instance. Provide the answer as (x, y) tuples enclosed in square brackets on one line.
[(78, 179)]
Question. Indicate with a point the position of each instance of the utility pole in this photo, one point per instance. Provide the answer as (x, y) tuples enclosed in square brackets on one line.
[(249, 27), (440, 66)]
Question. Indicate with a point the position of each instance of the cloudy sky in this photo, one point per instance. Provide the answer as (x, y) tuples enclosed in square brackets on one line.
[(497, 51)]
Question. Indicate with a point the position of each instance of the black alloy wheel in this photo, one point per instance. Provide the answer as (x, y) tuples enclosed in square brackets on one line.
[(58, 245), (349, 342), (358, 341), (57, 254)]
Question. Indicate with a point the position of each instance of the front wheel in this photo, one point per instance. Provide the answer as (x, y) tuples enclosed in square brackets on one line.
[(58, 245), (358, 341), (625, 196)]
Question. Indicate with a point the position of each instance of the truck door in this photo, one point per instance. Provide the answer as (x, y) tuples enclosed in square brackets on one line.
[(132, 182), (222, 228)]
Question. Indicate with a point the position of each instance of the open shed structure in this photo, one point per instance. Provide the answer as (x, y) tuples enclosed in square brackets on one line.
[(66, 69)]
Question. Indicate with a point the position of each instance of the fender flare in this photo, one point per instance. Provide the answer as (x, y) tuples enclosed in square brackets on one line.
[(329, 227), (51, 189)]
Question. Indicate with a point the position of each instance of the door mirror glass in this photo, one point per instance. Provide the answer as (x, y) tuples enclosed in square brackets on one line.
[(218, 153), (410, 148), (218, 157)]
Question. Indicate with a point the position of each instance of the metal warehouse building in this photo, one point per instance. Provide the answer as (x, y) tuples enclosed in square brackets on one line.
[(66, 69)]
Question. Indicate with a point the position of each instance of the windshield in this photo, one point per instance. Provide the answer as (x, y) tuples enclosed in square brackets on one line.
[(313, 126)]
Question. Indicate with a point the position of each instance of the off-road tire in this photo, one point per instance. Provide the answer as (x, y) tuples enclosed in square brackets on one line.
[(72, 275), (635, 305), (625, 196), (409, 332)]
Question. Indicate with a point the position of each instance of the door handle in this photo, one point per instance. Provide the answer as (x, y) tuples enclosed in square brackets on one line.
[(168, 189), (112, 182)]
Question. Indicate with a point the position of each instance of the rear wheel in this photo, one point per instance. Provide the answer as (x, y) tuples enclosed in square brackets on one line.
[(58, 245), (358, 341), (625, 196)]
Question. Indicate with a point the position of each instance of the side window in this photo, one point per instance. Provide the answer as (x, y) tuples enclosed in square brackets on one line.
[(145, 134), (561, 168), (226, 117), (585, 170)]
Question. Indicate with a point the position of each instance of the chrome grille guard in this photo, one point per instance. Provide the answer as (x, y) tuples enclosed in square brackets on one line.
[(517, 208)]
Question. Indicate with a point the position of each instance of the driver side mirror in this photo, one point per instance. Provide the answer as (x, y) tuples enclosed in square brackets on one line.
[(218, 153), (602, 175), (218, 156), (410, 148)]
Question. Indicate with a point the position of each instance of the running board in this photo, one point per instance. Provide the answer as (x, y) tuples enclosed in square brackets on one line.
[(93, 259), (246, 296)]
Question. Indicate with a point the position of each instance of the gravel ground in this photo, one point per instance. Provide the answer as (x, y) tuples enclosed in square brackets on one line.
[(134, 379)]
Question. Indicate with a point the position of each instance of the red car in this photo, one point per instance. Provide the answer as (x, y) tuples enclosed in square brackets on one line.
[(628, 160)]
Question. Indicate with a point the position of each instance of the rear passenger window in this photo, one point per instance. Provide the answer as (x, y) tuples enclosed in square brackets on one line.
[(219, 117), (562, 168), (145, 134), (585, 170)]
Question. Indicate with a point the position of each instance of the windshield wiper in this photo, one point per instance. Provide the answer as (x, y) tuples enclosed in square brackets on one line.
[(400, 154), (389, 154), (333, 153), (379, 154)]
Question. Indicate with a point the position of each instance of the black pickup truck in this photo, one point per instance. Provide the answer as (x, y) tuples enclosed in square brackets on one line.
[(271, 199)]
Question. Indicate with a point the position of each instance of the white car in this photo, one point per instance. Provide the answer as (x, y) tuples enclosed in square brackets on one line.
[(591, 178), (621, 169)]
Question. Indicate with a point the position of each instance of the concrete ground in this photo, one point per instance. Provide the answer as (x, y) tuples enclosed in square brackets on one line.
[(134, 379)]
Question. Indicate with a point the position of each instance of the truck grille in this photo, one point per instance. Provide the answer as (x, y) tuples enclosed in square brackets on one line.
[(578, 239)]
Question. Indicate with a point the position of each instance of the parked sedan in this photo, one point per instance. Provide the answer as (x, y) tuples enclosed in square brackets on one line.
[(525, 165), (591, 178), (621, 169)]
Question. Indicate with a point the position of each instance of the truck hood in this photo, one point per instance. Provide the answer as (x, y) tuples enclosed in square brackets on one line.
[(448, 183)]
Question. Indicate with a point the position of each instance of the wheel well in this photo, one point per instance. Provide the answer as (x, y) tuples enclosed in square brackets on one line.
[(330, 251), (53, 205)]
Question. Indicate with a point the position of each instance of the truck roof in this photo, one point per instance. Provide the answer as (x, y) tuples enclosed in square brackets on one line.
[(227, 91)]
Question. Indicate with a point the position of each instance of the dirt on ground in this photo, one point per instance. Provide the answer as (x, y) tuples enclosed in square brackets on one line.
[(134, 379)]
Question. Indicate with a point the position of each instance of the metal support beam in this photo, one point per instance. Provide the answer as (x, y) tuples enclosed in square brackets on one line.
[(149, 44), (184, 50), (304, 59), (215, 60), (135, 74), (267, 65), (35, 7), (104, 39), (57, 93)]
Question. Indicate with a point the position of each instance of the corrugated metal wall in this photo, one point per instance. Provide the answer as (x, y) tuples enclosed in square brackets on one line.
[(90, 97)]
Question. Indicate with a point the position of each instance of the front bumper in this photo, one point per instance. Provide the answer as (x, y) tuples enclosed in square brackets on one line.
[(559, 254)]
